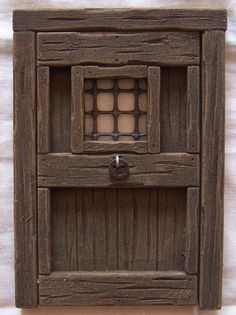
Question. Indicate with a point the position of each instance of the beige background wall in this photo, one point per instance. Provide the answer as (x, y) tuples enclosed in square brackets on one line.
[(6, 169)]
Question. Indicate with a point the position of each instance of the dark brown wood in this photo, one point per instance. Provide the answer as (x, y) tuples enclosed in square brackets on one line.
[(119, 19), (43, 110), (171, 226), (137, 229), (192, 231), (166, 170), (212, 185), (118, 146), (63, 238), (25, 170), (117, 288), (93, 72), (173, 109), (44, 231), (153, 126), (96, 229), (60, 110), (77, 109), (155, 48), (193, 109)]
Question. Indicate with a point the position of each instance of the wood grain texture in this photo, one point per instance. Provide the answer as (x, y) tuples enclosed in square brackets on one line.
[(96, 229), (119, 19), (166, 170), (117, 288), (115, 146), (77, 109), (94, 72), (43, 110), (155, 48), (212, 185), (193, 109), (171, 227), (173, 109), (122, 229), (137, 229), (44, 231), (25, 170), (192, 231), (153, 125), (60, 109), (63, 227)]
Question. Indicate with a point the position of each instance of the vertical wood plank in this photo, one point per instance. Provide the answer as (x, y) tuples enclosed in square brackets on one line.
[(25, 170), (64, 240), (171, 227), (153, 125), (212, 185), (44, 231), (77, 109), (43, 110), (193, 110), (192, 231), (173, 109), (97, 229), (85, 227), (137, 229), (60, 109)]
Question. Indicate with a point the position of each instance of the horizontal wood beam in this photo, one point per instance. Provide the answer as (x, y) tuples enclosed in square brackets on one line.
[(119, 288), (112, 73), (163, 170), (152, 48), (118, 19)]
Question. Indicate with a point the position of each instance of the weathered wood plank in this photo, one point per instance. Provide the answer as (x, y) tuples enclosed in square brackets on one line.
[(96, 229), (119, 19), (173, 109), (117, 146), (153, 126), (192, 231), (115, 72), (137, 229), (77, 109), (44, 231), (86, 213), (25, 170), (117, 288), (60, 113), (43, 110), (166, 170), (212, 186), (155, 48), (63, 227), (193, 109), (171, 227)]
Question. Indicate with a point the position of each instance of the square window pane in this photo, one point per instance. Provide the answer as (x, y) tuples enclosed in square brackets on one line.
[(105, 123), (126, 101)]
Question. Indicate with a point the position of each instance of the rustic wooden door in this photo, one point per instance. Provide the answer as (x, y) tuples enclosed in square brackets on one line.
[(118, 175), (118, 166)]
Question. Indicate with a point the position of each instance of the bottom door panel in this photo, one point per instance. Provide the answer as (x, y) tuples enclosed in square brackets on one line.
[(118, 245), (118, 229)]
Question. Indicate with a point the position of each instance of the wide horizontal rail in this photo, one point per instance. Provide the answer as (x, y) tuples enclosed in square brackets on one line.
[(120, 288), (163, 170), (148, 48), (118, 19)]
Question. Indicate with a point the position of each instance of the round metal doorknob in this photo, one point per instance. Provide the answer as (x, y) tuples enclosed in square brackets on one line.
[(118, 168)]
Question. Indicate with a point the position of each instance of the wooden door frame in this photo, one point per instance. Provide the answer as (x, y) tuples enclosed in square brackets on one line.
[(212, 24)]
